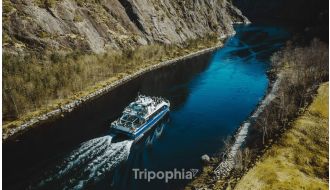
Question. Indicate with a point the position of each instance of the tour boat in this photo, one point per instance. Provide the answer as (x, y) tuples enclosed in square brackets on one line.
[(140, 116)]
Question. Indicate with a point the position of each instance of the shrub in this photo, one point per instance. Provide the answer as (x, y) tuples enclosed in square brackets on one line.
[(34, 80)]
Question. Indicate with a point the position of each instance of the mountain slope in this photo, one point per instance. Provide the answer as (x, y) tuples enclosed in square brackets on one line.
[(111, 24), (56, 52)]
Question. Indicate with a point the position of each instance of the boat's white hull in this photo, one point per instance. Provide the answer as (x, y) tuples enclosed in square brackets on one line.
[(139, 132)]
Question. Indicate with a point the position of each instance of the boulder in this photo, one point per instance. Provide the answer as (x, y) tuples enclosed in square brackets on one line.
[(205, 159)]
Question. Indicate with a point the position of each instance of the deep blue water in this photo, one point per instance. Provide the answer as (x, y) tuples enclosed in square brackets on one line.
[(220, 99), (210, 95)]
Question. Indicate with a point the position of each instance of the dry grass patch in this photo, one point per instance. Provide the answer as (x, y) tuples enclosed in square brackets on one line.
[(34, 84), (300, 159)]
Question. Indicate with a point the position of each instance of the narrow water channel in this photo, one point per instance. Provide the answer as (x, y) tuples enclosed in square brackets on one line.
[(210, 95)]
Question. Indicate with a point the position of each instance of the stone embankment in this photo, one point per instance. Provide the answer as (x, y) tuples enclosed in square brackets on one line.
[(76, 103), (227, 165)]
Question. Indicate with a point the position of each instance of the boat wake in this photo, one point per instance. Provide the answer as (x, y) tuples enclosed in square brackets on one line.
[(88, 163), (159, 131)]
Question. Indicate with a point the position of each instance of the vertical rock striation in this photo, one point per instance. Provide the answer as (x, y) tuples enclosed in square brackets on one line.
[(95, 26)]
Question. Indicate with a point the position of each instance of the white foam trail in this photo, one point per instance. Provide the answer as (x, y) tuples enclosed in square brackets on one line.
[(82, 155), (109, 153), (148, 142), (112, 156), (85, 147), (159, 131), (85, 152)]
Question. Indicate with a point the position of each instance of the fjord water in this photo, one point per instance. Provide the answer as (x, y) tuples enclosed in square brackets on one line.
[(210, 95)]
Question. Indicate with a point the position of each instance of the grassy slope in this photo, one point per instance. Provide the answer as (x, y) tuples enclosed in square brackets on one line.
[(88, 78), (300, 159)]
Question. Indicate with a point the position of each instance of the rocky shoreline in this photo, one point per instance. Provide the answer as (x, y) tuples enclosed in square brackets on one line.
[(67, 108), (285, 101), (222, 168)]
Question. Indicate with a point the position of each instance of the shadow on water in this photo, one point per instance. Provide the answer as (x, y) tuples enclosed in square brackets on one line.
[(39, 147), (210, 95)]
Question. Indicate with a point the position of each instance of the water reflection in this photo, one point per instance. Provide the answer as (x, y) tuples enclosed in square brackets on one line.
[(41, 147), (210, 95)]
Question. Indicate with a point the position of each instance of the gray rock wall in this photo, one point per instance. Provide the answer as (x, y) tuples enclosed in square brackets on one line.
[(68, 25)]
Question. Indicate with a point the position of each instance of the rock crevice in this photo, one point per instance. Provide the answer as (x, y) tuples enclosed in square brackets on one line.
[(69, 25)]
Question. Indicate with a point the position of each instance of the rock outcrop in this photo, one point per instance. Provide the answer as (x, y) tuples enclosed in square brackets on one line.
[(96, 26), (205, 159)]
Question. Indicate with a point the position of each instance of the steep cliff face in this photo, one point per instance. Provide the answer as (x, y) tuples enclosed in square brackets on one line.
[(111, 24)]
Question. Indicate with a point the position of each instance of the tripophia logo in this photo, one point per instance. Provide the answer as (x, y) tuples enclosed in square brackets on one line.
[(164, 175)]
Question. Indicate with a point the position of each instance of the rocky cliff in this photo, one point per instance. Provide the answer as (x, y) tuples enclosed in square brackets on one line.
[(98, 25)]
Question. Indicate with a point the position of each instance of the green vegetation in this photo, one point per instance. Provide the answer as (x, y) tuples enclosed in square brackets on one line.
[(34, 83), (7, 6), (302, 70), (300, 159), (51, 3)]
